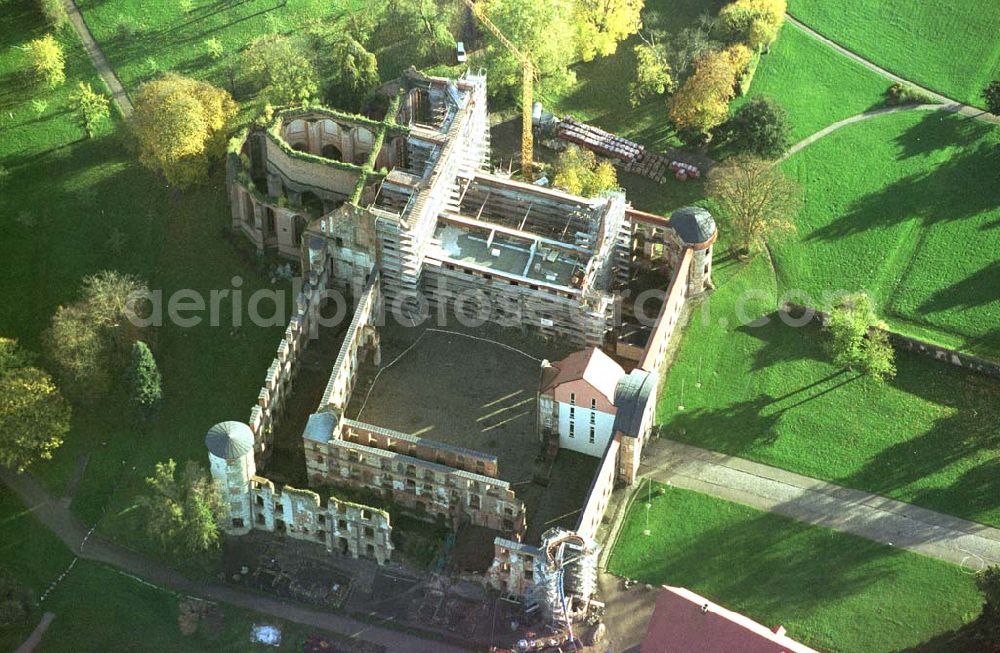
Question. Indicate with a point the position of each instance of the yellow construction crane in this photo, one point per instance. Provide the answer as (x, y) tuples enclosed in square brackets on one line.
[(527, 87)]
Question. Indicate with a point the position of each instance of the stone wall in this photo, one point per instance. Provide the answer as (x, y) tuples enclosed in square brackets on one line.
[(599, 493), (441, 493), (468, 460), (342, 526), (937, 352), (656, 348), (278, 381), (360, 333)]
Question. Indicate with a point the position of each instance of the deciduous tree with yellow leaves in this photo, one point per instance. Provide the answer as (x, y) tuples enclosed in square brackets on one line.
[(603, 24), (754, 22), (702, 102), (180, 125), (34, 417)]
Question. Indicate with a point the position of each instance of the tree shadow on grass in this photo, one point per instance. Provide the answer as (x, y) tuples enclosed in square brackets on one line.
[(734, 428), (770, 566), (938, 130), (958, 189), (978, 289), (783, 343), (969, 434)]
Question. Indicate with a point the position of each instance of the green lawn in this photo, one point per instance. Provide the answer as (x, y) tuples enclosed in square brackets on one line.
[(100, 609), (832, 591), (816, 85), (64, 198), (908, 207), (950, 47), (767, 392)]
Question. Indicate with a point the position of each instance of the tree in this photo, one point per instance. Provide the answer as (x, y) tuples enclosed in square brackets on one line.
[(543, 30), (988, 582), (183, 511), (214, 48), (90, 108), (578, 172), (54, 12), (992, 96), (144, 382), (754, 22), (423, 27), (89, 341), (354, 74), (689, 44), (652, 73), (180, 125), (760, 127), (15, 600), (282, 69), (34, 417), (703, 100), (602, 24), (858, 339), (47, 61), (756, 200)]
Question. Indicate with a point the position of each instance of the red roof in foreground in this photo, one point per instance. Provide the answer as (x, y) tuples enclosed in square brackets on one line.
[(682, 624)]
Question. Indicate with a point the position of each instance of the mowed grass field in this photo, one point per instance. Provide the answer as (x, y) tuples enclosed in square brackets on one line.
[(144, 39), (98, 608), (71, 207), (950, 47), (906, 206), (752, 386), (832, 591), (816, 85)]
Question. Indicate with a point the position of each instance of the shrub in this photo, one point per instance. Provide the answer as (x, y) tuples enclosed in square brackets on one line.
[(899, 94), (992, 96), (47, 61), (54, 12), (143, 378), (759, 127)]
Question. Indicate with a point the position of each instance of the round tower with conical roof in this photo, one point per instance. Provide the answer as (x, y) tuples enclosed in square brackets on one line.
[(230, 458), (696, 229)]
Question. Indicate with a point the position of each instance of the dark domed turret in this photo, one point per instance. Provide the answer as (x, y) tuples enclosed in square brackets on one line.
[(694, 225), (229, 440)]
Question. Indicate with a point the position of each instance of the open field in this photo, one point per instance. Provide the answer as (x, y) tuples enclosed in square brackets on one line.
[(907, 207), (949, 47), (72, 207), (100, 609), (769, 393), (815, 84), (831, 591)]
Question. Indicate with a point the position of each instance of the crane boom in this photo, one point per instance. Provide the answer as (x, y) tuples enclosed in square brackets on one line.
[(527, 87)]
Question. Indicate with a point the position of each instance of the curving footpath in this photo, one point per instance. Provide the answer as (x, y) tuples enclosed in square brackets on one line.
[(100, 61), (951, 105), (867, 115), (58, 519)]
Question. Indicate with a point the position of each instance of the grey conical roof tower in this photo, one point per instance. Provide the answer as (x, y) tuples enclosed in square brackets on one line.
[(229, 440)]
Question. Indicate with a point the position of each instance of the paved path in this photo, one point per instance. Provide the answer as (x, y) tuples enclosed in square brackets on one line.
[(100, 61), (867, 115), (58, 519), (824, 504), (35, 638), (950, 104)]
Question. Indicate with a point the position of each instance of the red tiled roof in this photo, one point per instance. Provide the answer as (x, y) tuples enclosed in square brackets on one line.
[(592, 365), (684, 622)]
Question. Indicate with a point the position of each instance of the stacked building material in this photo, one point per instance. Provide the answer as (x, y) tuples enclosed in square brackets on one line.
[(650, 165), (683, 170), (598, 140)]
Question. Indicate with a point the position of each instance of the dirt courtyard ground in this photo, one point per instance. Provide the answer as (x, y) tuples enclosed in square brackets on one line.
[(457, 390)]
